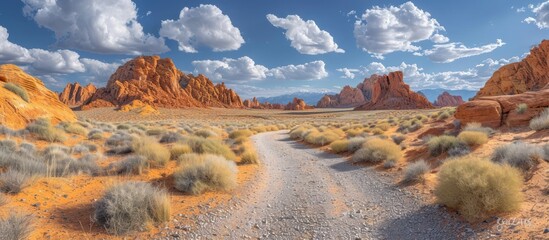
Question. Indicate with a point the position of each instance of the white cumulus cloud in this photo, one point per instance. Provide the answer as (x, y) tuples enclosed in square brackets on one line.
[(385, 30), (102, 26), (205, 25), (245, 69), (439, 38), (305, 36), (349, 73), (541, 13), (450, 52)]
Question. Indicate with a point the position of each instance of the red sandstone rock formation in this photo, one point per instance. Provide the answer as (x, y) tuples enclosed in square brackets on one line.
[(297, 104), (447, 100), (16, 112), (496, 111), (348, 97), (76, 95), (390, 92), (159, 83), (530, 74), (254, 103)]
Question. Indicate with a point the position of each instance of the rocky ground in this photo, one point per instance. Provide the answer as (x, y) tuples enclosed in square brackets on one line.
[(305, 193)]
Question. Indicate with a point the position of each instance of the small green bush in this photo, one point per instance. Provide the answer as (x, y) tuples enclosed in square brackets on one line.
[(522, 108), (478, 188), (18, 90)]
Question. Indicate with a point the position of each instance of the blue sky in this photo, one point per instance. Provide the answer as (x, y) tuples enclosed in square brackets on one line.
[(267, 48)]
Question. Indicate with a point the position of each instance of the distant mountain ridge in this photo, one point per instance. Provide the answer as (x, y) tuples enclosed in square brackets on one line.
[(432, 94), (311, 98)]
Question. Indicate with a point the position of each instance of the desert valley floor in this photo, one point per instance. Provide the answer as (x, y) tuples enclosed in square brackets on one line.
[(297, 191)]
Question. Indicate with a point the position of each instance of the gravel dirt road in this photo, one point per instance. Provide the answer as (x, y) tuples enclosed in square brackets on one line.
[(305, 193)]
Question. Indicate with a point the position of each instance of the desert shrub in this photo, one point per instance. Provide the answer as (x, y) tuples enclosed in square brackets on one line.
[(321, 138), (377, 150), (545, 151), (155, 132), (13, 181), (477, 188), (189, 158), (297, 133), (123, 127), (339, 146), (398, 138), (443, 116), (28, 147), (377, 131), (415, 171), (520, 155), (259, 129), (210, 173), (8, 145), (389, 163), (43, 129), (540, 122), (522, 108), (59, 164), (249, 157), (95, 134), (119, 143), (472, 138), (18, 90), (16, 227), (240, 133), (3, 200), (205, 133), (355, 143), (156, 153), (132, 206), (354, 132), (441, 144), (384, 126), (477, 127), (171, 137), (203, 145), (129, 165), (178, 150), (75, 128)]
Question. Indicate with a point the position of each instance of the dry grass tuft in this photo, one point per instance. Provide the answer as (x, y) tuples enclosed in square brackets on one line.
[(472, 138), (540, 122), (207, 173), (16, 227), (18, 90), (376, 150), (340, 146), (442, 144), (478, 188), (156, 153)]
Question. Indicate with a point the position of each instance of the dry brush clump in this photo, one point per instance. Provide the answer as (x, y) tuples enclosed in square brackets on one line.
[(477, 127), (43, 130), (156, 153), (478, 188), (520, 155), (202, 145), (414, 172), (18, 90), (179, 149), (473, 138), (522, 108), (132, 206), (441, 144), (75, 128), (376, 150), (16, 226), (321, 138), (540, 122), (205, 173), (340, 146)]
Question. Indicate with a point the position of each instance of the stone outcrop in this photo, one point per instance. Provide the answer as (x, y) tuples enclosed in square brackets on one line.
[(139, 107), (348, 97), (253, 103), (390, 92), (76, 95), (447, 100), (496, 111), (297, 104), (159, 83), (16, 113), (530, 74)]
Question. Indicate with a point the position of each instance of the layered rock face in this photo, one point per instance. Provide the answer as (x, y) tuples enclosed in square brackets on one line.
[(530, 74), (297, 104), (76, 95), (159, 83), (496, 111), (447, 100), (15, 112), (348, 97), (390, 92)]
